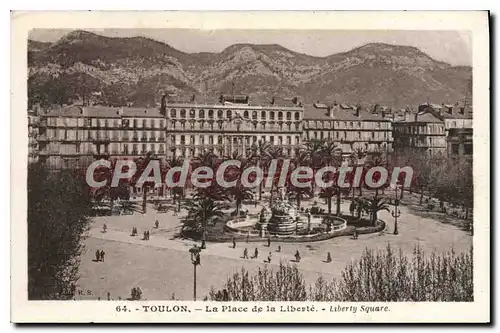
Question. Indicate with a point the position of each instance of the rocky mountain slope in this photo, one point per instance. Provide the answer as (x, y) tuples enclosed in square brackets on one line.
[(138, 70)]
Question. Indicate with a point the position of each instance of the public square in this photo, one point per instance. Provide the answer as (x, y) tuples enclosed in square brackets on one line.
[(162, 268)]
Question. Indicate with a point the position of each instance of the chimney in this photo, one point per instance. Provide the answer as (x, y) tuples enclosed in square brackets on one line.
[(193, 98), (416, 116), (120, 111), (383, 113), (406, 115), (357, 110), (295, 100), (330, 111), (83, 111), (462, 110), (163, 105), (273, 101)]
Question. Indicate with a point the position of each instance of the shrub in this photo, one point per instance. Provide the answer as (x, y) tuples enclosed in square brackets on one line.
[(378, 276)]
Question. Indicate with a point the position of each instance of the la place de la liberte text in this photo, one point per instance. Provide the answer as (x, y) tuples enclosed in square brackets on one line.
[(268, 308)]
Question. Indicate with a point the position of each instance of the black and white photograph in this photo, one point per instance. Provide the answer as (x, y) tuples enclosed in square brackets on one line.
[(321, 171)]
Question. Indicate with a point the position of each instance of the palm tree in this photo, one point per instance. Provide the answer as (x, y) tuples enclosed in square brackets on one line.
[(374, 205), (358, 205), (177, 192), (377, 161), (299, 193), (240, 193), (259, 155), (142, 163), (328, 193), (200, 211), (331, 153), (357, 158), (315, 147)]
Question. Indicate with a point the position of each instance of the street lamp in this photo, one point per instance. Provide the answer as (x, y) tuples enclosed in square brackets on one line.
[(396, 213), (195, 260)]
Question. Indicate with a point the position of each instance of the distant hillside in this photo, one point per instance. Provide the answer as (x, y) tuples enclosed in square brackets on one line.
[(138, 70)]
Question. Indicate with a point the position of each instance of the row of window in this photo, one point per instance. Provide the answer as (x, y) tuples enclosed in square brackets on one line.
[(237, 127), (348, 135), (183, 139), (229, 114), (342, 124)]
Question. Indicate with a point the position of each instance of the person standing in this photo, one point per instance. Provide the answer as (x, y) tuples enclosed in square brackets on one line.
[(104, 227), (157, 224), (269, 242), (234, 243), (328, 257), (297, 256), (97, 255), (147, 234), (102, 255), (279, 248), (245, 253), (269, 257)]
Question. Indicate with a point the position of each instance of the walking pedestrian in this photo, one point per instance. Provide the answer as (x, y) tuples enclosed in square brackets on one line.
[(157, 224), (145, 236), (104, 227), (248, 236), (355, 234), (269, 257), (269, 242), (97, 255), (279, 248), (102, 255), (255, 254), (245, 253), (328, 257), (234, 243)]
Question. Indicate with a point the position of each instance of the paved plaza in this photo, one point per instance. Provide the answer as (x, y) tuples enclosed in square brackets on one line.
[(161, 266)]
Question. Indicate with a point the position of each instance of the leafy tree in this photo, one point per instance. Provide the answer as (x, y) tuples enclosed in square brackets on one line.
[(59, 207)]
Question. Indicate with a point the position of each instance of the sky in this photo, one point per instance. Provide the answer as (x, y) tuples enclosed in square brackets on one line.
[(453, 47)]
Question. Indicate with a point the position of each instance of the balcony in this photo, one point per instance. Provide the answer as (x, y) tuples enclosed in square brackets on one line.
[(101, 138), (135, 152), (135, 138), (144, 139), (152, 139)]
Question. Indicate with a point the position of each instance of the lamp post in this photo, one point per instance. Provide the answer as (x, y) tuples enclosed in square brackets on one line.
[(195, 260), (396, 213)]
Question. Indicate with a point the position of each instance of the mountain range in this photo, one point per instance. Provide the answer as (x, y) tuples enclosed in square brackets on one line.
[(138, 70)]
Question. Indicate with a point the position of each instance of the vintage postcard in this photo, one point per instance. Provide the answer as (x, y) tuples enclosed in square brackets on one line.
[(256, 167)]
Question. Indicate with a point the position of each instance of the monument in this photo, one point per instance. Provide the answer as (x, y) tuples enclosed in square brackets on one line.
[(284, 218)]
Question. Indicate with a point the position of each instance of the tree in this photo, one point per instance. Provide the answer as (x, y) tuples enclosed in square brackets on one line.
[(200, 211), (299, 193), (142, 163), (377, 276), (260, 156), (375, 205), (59, 206), (177, 192), (358, 205), (240, 193)]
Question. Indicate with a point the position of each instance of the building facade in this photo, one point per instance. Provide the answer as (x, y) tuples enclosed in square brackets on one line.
[(421, 131), (349, 126), (72, 137), (232, 125), (33, 123)]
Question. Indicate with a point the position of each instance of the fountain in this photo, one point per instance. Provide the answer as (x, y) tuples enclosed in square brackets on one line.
[(285, 219)]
